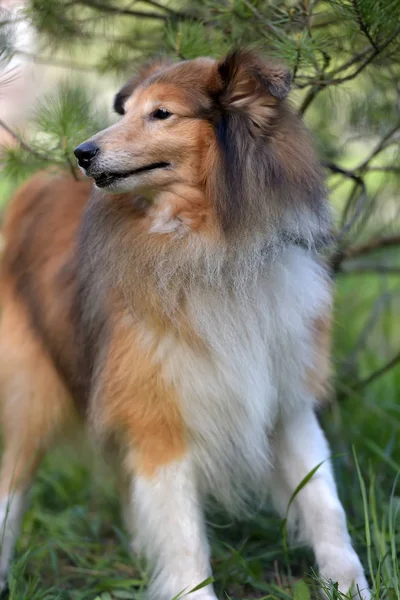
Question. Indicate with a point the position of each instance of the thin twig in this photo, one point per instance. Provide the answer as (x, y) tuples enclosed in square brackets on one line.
[(392, 363), (371, 246), (271, 28), (357, 175), (379, 147), (360, 171), (350, 361), (319, 84), (310, 97), (389, 169), (359, 182), (12, 21), (21, 142), (64, 64), (355, 58), (107, 8), (377, 50), (373, 269), (298, 58), (173, 13), (362, 24), (37, 154)]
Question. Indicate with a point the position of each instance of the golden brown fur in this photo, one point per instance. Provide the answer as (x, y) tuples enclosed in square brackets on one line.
[(152, 424), (319, 377), (49, 270), (41, 273)]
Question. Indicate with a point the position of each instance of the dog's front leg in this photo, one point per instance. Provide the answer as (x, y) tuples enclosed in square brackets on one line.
[(169, 530), (316, 512)]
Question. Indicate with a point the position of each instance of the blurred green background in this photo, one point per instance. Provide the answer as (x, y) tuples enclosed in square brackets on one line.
[(61, 62)]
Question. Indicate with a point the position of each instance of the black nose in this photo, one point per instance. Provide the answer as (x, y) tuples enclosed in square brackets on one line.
[(85, 153)]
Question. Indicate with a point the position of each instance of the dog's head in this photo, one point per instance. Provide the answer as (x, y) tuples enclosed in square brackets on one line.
[(222, 127)]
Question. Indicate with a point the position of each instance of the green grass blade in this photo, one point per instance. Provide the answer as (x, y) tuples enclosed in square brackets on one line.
[(366, 517)]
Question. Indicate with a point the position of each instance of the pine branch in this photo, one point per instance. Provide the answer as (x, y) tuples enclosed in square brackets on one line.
[(21, 142), (357, 56), (54, 62), (319, 85), (357, 175), (141, 14), (267, 24), (362, 24), (170, 11)]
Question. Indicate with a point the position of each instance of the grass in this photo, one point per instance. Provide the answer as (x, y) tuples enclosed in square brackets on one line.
[(73, 545)]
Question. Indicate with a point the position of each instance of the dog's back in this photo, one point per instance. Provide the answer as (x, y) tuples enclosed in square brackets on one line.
[(36, 329), (38, 272)]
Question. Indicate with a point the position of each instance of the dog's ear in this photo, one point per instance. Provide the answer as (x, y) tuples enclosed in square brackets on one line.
[(122, 96), (149, 69), (251, 85)]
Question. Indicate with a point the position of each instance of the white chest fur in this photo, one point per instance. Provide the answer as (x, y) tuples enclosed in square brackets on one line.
[(260, 349)]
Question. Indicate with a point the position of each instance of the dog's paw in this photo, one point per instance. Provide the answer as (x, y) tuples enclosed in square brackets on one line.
[(360, 590), (160, 592), (355, 587), (342, 566)]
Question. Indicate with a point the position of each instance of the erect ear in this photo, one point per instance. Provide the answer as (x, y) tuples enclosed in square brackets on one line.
[(251, 84), (127, 90)]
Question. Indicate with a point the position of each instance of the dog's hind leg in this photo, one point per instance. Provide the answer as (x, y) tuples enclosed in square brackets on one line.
[(33, 408), (316, 511)]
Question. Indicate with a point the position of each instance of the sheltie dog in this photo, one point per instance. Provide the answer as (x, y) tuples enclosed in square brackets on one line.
[(180, 306)]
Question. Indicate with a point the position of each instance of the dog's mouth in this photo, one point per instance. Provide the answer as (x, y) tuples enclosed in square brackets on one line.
[(107, 178)]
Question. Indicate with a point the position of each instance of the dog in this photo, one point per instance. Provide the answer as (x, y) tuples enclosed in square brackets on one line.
[(182, 308)]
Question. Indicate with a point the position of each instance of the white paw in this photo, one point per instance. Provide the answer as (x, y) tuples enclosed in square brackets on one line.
[(185, 596), (360, 590), (356, 587), (159, 590), (342, 566)]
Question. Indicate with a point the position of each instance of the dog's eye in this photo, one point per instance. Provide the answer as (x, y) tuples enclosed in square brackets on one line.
[(161, 114)]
